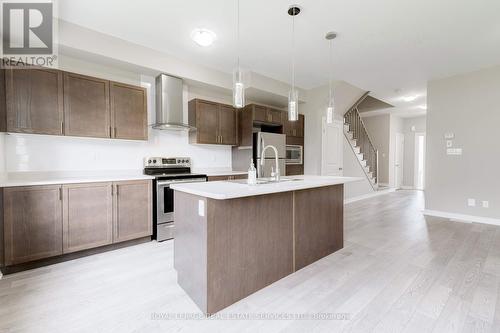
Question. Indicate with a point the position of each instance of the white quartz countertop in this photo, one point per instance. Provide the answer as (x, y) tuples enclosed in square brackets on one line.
[(222, 190), (14, 179), (213, 172)]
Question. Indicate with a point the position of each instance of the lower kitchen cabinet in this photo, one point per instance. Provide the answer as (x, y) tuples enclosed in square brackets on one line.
[(32, 223), (87, 216), (47, 221), (133, 214)]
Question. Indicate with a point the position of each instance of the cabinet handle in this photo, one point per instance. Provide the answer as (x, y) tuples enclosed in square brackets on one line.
[(112, 190), (110, 131), (62, 127), (60, 194), (117, 191), (221, 139)]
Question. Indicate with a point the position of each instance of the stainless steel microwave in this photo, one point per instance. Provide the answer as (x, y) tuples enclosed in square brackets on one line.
[(294, 154)]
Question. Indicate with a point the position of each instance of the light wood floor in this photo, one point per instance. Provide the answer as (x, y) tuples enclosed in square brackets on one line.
[(398, 272)]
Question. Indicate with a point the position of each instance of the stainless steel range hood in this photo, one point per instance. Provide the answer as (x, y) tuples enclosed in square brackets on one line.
[(169, 108)]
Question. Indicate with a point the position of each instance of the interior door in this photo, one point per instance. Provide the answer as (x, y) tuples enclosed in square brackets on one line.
[(332, 149), (398, 160)]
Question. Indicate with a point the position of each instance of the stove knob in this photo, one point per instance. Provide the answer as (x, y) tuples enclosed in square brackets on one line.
[(149, 161), (154, 161)]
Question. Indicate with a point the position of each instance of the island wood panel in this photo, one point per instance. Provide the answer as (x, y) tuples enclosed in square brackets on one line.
[(132, 216), (2, 241), (87, 216), (34, 101), (249, 246), (319, 215), (190, 246), (32, 223)]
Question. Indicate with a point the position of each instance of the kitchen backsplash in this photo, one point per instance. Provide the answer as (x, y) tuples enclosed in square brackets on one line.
[(26, 152)]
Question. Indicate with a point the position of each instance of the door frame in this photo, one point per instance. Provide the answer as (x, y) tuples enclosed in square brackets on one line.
[(401, 164), (341, 145), (415, 162)]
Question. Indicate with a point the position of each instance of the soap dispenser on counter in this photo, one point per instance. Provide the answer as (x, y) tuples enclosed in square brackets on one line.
[(252, 174)]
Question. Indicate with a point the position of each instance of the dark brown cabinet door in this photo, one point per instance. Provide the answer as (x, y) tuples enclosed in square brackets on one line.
[(295, 128), (3, 108), (128, 112), (87, 216), (34, 100), (275, 116), (207, 122), (133, 207), (228, 125), (32, 223), (86, 106), (260, 114)]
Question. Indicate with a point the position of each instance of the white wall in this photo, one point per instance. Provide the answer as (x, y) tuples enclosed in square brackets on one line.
[(466, 105), (378, 128), (314, 110), (26, 152), (409, 154), (2, 152)]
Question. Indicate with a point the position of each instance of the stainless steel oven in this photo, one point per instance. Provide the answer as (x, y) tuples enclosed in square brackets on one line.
[(294, 154), (165, 205), (167, 171)]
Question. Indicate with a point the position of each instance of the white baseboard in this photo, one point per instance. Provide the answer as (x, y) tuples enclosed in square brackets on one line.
[(368, 195), (462, 217)]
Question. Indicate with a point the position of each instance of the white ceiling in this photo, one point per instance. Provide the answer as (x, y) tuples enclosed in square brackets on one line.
[(390, 47)]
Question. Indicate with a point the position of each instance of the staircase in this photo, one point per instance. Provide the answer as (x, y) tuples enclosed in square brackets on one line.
[(361, 144)]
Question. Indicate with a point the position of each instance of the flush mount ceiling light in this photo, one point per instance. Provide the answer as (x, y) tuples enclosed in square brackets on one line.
[(203, 37), (409, 98), (293, 96), (330, 110)]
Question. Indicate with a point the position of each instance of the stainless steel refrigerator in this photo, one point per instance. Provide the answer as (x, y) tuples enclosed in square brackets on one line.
[(262, 139)]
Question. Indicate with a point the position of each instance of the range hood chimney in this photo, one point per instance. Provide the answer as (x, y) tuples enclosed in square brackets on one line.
[(169, 108)]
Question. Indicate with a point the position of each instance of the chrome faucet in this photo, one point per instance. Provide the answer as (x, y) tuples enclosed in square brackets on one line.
[(263, 161)]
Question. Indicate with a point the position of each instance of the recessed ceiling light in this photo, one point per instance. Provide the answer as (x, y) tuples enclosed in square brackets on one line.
[(203, 37), (409, 98)]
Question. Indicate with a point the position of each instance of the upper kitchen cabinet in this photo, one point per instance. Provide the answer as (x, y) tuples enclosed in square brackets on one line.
[(34, 101), (129, 112), (295, 128), (263, 114), (215, 123), (86, 106)]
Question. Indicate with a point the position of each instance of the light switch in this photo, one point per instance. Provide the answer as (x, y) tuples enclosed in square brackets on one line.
[(471, 202), (486, 204), (201, 207)]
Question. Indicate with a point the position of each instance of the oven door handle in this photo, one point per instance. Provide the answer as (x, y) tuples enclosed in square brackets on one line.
[(168, 182)]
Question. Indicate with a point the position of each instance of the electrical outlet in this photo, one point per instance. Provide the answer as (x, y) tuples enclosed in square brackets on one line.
[(471, 202), (486, 204), (201, 208)]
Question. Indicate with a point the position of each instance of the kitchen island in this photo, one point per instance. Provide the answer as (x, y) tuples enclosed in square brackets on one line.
[(233, 239)]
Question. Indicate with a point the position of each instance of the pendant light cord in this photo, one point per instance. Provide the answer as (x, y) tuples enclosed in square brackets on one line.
[(293, 53), (238, 38), (331, 72)]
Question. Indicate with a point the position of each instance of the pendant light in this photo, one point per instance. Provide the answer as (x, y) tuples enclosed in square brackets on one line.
[(330, 110), (293, 96), (238, 85)]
